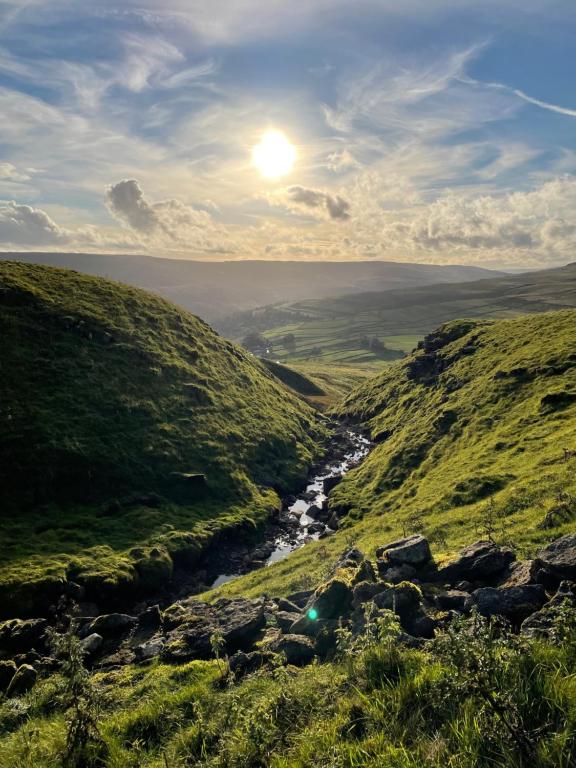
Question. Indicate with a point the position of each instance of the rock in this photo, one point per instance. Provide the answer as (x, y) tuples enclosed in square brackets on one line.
[(285, 619), (366, 591), (299, 598), (75, 591), (315, 512), (150, 649), (22, 681), (396, 573), (520, 574), (333, 522), (365, 572), (193, 623), (242, 664), (111, 624), (403, 599), (418, 624), (559, 557), (7, 672), (329, 483), (298, 649), (413, 550), (91, 644), (515, 603), (541, 623), (452, 600), (288, 606), (332, 599), (150, 618), (464, 586), (482, 560), (315, 528), (20, 635)]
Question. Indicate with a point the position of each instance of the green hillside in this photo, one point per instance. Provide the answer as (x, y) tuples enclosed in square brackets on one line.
[(336, 329), (127, 422)]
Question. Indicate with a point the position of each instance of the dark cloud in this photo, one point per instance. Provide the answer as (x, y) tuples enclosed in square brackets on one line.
[(332, 206)]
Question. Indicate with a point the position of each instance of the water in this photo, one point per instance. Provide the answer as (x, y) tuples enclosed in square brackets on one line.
[(312, 495)]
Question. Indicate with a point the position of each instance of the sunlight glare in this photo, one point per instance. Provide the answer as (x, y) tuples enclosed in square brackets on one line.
[(274, 156)]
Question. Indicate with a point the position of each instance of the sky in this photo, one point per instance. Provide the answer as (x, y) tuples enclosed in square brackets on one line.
[(434, 131)]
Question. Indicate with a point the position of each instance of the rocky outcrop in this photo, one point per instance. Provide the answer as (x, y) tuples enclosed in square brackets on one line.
[(542, 622), (515, 603), (559, 557), (21, 635), (480, 561)]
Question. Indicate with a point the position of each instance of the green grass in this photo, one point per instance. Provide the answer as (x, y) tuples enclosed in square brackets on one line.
[(399, 318), (375, 706), (106, 391)]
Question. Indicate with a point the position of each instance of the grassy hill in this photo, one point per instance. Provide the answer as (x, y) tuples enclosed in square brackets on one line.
[(131, 433), (338, 327), (214, 289), (470, 435)]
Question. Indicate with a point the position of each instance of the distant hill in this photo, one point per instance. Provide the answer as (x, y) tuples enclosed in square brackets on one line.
[(214, 289), (131, 434), (340, 326)]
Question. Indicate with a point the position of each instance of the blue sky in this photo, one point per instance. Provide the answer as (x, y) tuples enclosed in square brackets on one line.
[(426, 130)]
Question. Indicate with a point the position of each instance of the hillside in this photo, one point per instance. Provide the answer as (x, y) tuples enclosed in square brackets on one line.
[(131, 434), (215, 289), (340, 326)]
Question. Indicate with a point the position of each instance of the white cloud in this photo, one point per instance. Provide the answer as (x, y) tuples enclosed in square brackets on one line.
[(315, 202), (24, 225), (9, 172)]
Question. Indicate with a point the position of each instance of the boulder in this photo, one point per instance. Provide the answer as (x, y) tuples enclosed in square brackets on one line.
[(482, 560), (150, 649), (22, 681), (20, 635), (332, 599), (329, 483), (242, 664), (298, 598), (290, 607), (541, 623), (286, 619), (452, 600), (315, 528), (366, 591), (520, 574), (91, 644), (413, 550), (7, 672), (417, 623), (151, 618), (403, 599), (559, 557), (111, 625), (515, 603), (396, 573), (298, 649)]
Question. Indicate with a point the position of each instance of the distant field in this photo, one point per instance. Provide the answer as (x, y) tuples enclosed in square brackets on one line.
[(335, 330)]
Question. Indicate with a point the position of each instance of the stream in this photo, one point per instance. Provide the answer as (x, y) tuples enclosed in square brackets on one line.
[(304, 517)]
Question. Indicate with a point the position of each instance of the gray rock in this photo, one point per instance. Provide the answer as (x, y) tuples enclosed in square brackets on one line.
[(315, 528), (286, 619), (242, 664), (516, 603), (520, 574), (330, 483), (482, 560), (20, 635), (150, 649), (332, 599), (366, 591), (298, 598), (7, 672), (298, 649), (290, 607), (151, 617), (402, 599), (452, 600), (413, 550), (91, 644), (111, 625), (541, 623), (559, 557), (396, 573), (22, 682)]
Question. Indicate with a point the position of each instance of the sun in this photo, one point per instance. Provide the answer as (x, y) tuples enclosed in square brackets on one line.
[(274, 156)]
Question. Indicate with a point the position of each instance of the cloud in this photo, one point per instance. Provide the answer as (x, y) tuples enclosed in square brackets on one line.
[(24, 225), (306, 200), (9, 172), (166, 221), (524, 96)]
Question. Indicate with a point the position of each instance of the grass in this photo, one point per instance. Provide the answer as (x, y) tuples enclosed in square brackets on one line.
[(106, 392), (374, 705), (400, 318)]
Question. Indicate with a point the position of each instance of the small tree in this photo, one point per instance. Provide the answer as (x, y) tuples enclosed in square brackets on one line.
[(82, 701)]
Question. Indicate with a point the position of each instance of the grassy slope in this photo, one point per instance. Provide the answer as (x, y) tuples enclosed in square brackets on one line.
[(401, 318), (106, 390), (485, 427)]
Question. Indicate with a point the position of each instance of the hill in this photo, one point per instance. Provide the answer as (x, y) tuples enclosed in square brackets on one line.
[(340, 327), (131, 434), (216, 289)]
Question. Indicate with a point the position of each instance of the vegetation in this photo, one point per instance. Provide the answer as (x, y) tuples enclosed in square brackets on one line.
[(400, 318), (477, 697), (131, 434)]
